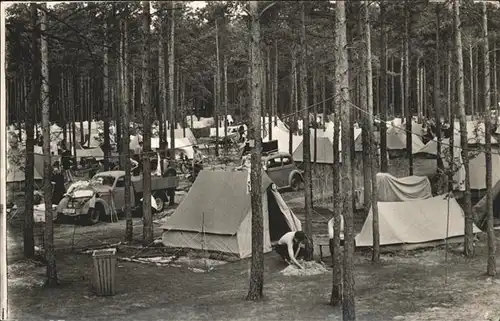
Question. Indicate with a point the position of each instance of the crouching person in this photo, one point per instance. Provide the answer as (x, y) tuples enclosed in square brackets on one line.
[(291, 247)]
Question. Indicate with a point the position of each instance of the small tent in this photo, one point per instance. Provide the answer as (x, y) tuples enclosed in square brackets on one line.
[(396, 140), (324, 154), (392, 189), (216, 215), (475, 132), (179, 133), (477, 169), (283, 138), (415, 224), (425, 161), (96, 152), (16, 175), (480, 209)]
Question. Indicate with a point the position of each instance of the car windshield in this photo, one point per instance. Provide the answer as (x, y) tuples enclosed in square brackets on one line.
[(103, 180)]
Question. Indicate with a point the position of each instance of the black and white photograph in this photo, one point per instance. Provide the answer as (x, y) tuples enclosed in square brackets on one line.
[(250, 160)]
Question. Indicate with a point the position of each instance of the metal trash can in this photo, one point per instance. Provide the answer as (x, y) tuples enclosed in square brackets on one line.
[(104, 271)]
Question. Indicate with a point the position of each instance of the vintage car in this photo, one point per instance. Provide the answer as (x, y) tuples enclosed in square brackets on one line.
[(96, 199), (282, 170)]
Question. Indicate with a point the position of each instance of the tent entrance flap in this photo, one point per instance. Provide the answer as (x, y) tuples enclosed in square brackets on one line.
[(277, 222)]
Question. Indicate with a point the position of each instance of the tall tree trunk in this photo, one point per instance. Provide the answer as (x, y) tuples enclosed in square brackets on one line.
[(371, 150), (323, 98), (29, 185), (162, 88), (226, 123), (257, 269), (491, 268), (73, 113), (336, 295), (269, 93), (217, 88), (494, 75), (363, 103), (106, 105), (146, 114), (125, 103), (393, 89), (449, 96), (183, 104), (471, 68), (63, 99), (437, 95), (342, 78), (451, 116), (423, 91), (306, 136), (24, 92), (293, 102), (476, 81), (276, 86), (171, 79), (90, 108), (81, 107), (47, 164), (383, 91), (468, 240), (315, 103), (409, 137), (117, 94), (401, 81), (133, 92), (264, 91)]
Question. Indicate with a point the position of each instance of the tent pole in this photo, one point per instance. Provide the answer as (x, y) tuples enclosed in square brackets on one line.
[(450, 194), (203, 238)]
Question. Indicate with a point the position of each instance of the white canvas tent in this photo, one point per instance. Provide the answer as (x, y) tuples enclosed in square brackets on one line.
[(216, 215), (477, 170), (396, 140), (415, 224), (475, 132), (283, 138), (17, 175), (179, 133), (392, 189), (96, 152), (425, 161)]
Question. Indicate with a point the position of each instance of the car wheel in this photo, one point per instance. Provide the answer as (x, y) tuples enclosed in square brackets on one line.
[(297, 183), (93, 216), (160, 199)]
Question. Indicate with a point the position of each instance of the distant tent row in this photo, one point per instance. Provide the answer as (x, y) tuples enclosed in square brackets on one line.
[(425, 163)]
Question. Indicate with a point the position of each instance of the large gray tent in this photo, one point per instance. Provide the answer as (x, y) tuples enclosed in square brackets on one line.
[(216, 215)]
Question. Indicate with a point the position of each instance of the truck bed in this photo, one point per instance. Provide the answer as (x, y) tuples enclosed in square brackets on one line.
[(157, 183)]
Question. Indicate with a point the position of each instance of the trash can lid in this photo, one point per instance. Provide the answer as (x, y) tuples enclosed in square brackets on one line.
[(104, 252)]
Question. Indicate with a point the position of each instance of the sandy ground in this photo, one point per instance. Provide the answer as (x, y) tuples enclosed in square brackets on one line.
[(413, 286), (419, 286)]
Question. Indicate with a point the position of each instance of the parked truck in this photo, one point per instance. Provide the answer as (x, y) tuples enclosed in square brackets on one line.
[(98, 198)]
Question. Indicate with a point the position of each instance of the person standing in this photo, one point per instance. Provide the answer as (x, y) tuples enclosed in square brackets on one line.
[(67, 162), (197, 161), (59, 189)]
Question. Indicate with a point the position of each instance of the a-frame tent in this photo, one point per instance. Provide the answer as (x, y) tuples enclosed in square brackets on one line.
[(216, 215)]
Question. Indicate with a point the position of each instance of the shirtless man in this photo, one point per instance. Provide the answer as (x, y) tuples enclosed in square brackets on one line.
[(289, 247)]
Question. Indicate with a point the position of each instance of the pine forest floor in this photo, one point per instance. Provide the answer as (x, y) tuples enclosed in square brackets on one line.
[(416, 286), (405, 286)]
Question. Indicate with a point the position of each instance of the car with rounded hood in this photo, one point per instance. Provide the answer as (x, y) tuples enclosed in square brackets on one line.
[(283, 171), (104, 195)]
